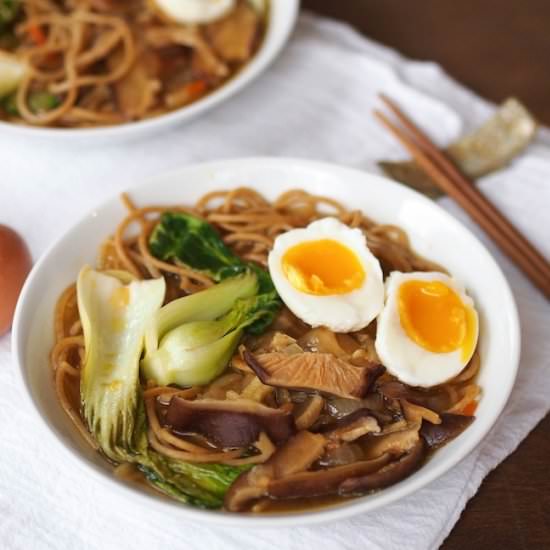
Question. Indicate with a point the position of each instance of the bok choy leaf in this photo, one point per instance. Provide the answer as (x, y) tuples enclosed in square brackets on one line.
[(201, 306), (114, 309), (197, 351), (113, 316), (194, 242)]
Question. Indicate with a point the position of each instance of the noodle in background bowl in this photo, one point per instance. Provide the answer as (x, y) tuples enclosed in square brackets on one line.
[(433, 233), (281, 21)]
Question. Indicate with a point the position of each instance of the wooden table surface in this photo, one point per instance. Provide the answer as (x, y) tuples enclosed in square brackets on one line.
[(498, 48)]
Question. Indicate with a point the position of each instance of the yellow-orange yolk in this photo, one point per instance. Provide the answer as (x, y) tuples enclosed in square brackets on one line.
[(323, 267), (434, 316)]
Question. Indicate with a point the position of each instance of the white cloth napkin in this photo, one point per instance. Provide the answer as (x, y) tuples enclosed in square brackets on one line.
[(314, 102)]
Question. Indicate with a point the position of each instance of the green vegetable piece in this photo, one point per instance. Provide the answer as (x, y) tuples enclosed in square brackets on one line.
[(9, 105), (197, 352), (172, 363), (195, 243), (8, 39), (114, 316), (8, 12), (41, 102), (114, 309), (200, 485), (201, 306)]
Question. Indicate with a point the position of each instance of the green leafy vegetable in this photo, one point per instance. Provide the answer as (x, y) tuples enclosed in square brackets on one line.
[(113, 318), (9, 105), (201, 485), (39, 102), (114, 309), (8, 12), (42, 101), (196, 352), (201, 306), (8, 39), (195, 243)]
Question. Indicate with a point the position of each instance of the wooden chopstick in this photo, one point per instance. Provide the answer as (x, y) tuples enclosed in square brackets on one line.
[(488, 217), (469, 189)]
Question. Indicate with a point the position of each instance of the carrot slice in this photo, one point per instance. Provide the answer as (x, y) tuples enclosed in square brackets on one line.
[(195, 88), (37, 34), (470, 408)]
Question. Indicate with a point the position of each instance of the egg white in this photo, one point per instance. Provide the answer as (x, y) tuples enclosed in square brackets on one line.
[(194, 11), (403, 357), (338, 312)]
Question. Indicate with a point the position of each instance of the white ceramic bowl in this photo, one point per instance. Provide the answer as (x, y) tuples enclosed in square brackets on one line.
[(433, 233), (282, 18)]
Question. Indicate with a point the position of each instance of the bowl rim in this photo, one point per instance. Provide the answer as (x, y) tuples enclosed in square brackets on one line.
[(322, 515), (281, 21)]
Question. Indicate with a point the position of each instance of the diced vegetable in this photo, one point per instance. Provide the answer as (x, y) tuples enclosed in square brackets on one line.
[(196, 243), (41, 102), (38, 101), (9, 105), (8, 40), (8, 12), (198, 351), (12, 71), (37, 34), (187, 93), (113, 318), (470, 408)]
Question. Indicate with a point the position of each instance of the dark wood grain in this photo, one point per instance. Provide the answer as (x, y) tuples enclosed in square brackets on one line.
[(498, 48)]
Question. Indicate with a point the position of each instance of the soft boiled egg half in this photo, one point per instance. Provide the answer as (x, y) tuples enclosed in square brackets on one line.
[(194, 11), (428, 329), (327, 276)]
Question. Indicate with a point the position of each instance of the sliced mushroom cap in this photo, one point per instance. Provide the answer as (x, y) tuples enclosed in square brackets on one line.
[(395, 442), (434, 398), (322, 340), (452, 425), (274, 340), (234, 36), (286, 322), (351, 427), (229, 423), (296, 455), (388, 475), (306, 413), (314, 371), (340, 455), (136, 90), (323, 482)]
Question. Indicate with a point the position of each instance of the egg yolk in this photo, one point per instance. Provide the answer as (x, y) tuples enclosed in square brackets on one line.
[(434, 317), (323, 267)]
